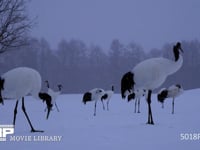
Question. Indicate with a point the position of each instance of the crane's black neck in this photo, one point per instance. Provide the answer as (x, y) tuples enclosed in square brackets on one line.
[(176, 49), (112, 87), (176, 53), (47, 82)]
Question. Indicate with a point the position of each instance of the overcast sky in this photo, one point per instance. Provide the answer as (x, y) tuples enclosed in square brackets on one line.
[(150, 23)]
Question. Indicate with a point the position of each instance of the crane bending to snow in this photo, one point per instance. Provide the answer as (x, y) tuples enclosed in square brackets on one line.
[(171, 92)]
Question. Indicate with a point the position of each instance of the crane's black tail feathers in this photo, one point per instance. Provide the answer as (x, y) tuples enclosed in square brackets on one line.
[(127, 83)]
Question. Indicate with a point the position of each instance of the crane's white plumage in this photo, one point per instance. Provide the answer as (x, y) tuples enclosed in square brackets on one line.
[(53, 94), (174, 91), (150, 74), (137, 94), (20, 82), (97, 93)]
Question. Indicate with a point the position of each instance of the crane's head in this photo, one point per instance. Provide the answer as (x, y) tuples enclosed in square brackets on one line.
[(127, 84), (178, 46), (47, 98)]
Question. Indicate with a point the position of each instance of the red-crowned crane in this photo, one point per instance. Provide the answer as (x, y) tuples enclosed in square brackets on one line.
[(171, 92), (19, 82), (151, 74), (93, 95)]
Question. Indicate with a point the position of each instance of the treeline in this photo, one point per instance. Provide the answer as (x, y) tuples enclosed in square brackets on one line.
[(79, 67)]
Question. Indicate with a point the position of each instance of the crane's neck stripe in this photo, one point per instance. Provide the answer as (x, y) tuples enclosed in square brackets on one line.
[(2, 83)]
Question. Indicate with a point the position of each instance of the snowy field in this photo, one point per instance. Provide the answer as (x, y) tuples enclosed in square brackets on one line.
[(116, 129)]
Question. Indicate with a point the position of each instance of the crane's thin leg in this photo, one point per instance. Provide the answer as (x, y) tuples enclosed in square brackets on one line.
[(103, 105), (15, 112), (173, 106), (150, 117), (24, 110), (162, 104), (138, 105), (1, 88), (95, 105), (57, 107), (1, 99), (107, 105), (135, 105)]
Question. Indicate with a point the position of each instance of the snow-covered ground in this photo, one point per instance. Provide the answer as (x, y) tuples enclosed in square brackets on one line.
[(116, 129)]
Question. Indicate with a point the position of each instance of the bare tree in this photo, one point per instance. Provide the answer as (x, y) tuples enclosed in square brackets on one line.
[(14, 24)]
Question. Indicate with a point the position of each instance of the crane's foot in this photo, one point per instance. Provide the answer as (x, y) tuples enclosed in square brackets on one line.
[(150, 123), (33, 130)]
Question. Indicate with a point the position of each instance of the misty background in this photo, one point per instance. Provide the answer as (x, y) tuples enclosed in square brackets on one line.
[(80, 67), (92, 43), (151, 23)]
